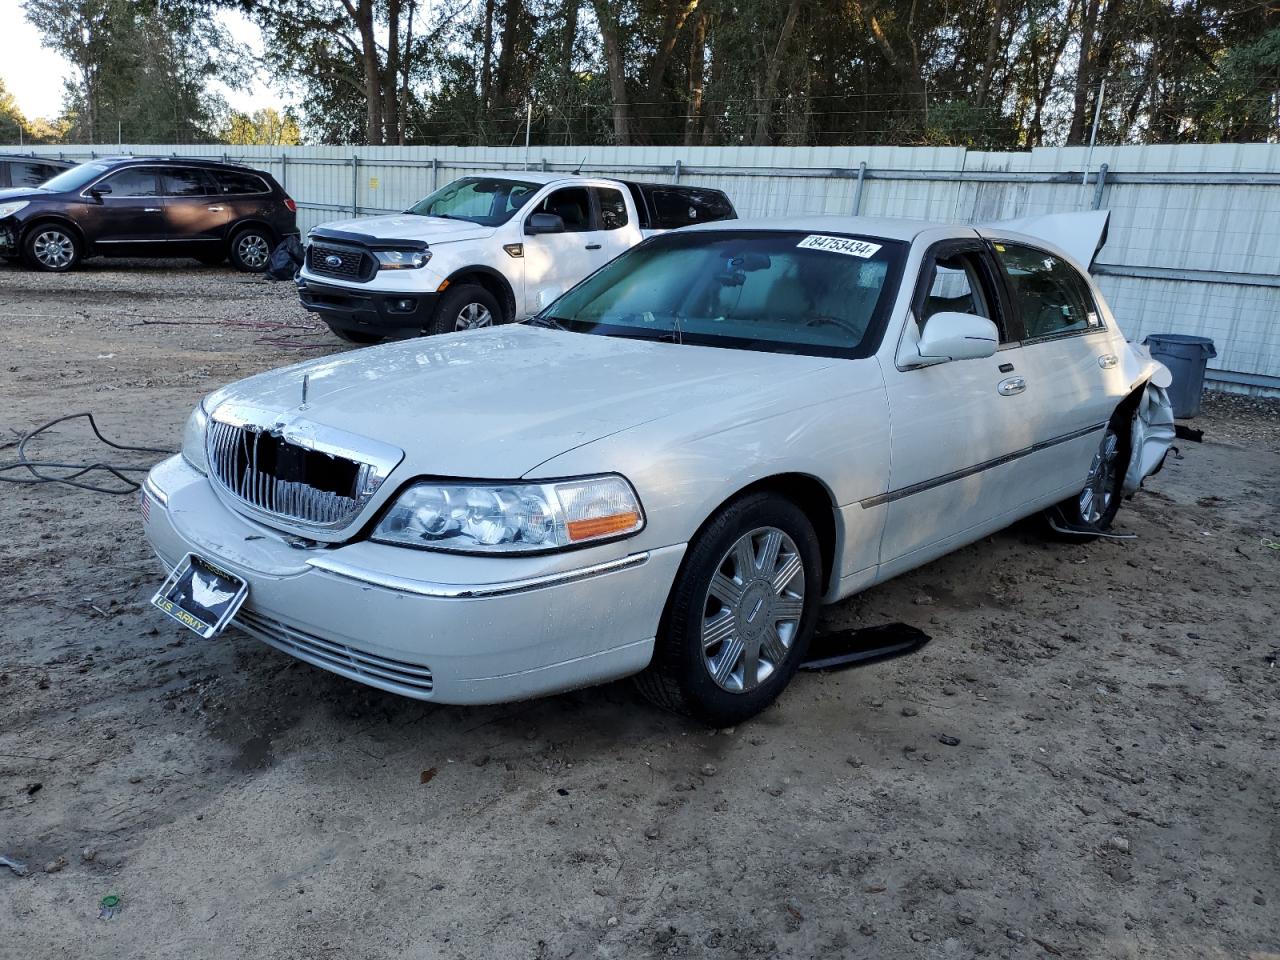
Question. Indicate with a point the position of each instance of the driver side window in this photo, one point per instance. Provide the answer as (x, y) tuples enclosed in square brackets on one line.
[(570, 204), (957, 284)]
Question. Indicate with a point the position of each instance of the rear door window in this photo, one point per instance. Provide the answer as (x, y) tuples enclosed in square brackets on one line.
[(25, 174), (680, 208), (186, 182), (233, 182), (1050, 295), (133, 182), (613, 208)]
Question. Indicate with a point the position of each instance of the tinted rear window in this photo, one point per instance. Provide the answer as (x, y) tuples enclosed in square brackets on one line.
[(186, 182), (233, 181), (27, 174), (680, 208)]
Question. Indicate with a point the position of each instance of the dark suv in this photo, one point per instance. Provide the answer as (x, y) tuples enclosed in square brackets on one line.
[(147, 207)]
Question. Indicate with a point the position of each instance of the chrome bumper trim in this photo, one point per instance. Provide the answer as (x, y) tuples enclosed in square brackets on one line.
[(158, 495), (477, 591)]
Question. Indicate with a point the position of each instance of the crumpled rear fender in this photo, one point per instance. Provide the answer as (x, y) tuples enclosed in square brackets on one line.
[(1152, 429)]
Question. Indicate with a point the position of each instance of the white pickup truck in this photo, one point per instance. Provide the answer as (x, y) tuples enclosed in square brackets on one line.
[(484, 250)]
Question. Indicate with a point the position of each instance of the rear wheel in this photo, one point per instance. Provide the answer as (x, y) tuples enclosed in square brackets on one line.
[(355, 336), (467, 306), (1095, 507), (51, 247), (250, 249), (741, 613)]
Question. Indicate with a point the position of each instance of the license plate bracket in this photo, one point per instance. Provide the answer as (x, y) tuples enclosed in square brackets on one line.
[(201, 596)]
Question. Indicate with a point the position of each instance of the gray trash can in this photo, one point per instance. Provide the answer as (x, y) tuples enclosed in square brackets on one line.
[(1186, 358)]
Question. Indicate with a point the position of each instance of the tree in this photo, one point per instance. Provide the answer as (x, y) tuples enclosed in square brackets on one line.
[(265, 127)]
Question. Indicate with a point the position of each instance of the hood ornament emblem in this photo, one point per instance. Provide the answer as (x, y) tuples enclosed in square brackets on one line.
[(306, 378)]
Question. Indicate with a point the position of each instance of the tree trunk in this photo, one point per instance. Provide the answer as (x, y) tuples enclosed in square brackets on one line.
[(1084, 73), (772, 69), (512, 14), (567, 39), (617, 72), (404, 70), (989, 55), (710, 111), (673, 22), (362, 14), (486, 69), (697, 65), (391, 76)]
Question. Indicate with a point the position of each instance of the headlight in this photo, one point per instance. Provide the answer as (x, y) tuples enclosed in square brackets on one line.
[(511, 518), (402, 259), (9, 209), (193, 449)]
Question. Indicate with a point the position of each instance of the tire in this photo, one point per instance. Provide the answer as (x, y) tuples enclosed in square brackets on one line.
[(354, 336), (1096, 505), (467, 306), (710, 679), (250, 249), (51, 247)]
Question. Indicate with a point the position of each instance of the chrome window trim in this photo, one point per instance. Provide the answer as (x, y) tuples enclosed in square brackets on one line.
[(111, 173), (474, 591)]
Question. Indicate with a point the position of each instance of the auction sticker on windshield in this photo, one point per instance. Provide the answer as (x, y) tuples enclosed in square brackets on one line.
[(200, 596), (850, 248)]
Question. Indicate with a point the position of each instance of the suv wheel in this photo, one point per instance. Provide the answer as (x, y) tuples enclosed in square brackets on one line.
[(355, 336), (468, 306), (51, 247), (251, 250), (741, 613)]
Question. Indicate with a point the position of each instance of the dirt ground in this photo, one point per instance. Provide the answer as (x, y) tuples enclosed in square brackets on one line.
[(1114, 792)]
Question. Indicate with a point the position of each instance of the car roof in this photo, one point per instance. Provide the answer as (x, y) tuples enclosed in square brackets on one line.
[(36, 157), (885, 227), (182, 161)]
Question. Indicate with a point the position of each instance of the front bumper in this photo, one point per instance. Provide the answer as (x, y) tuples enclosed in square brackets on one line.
[(378, 313), (391, 618)]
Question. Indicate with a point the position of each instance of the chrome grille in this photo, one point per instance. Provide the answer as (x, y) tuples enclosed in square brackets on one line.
[(269, 473), (398, 676), (344, 263)]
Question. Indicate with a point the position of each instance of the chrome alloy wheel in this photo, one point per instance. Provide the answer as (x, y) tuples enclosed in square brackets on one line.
[(253, 250), (751, 616), (473, 316), (1099, 486), (54, 249)]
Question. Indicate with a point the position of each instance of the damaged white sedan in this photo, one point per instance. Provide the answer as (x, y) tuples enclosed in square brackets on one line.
[(664, 473)]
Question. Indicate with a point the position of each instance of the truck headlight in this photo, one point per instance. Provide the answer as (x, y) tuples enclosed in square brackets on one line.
[(193, 448), (9, 209), (402, 259), (511, 517)]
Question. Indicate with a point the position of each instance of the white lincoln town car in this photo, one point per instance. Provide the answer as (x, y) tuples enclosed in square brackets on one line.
[(665, 472)]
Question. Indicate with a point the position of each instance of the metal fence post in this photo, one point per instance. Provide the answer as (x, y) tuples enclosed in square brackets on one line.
[(678, 165), (355, 185), (1102, 182), (857, 190), (284, 171), (435, 173), (545, 166)]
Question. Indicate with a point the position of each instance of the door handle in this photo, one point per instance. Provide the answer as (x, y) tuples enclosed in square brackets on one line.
[(215, 209), (150, 209), (593, 246), (1107, 361), (1011, 387)]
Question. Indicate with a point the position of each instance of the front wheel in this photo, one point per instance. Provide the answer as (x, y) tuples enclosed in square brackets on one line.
[(52, 248), (250, 250), (741, 613), (355, 336), (467, 306)]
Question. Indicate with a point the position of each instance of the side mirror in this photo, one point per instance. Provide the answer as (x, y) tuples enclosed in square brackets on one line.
[(957, 336), (543, 223), (100, 191)]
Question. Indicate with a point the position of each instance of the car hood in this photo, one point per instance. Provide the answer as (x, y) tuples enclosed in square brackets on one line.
[(21, 193), (497, 403), (404, 227)]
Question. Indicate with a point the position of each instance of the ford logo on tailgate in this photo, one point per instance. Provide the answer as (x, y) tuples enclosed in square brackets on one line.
[(332, 261)]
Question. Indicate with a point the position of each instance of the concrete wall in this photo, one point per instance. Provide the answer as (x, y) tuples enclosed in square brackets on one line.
[(1194, 244)]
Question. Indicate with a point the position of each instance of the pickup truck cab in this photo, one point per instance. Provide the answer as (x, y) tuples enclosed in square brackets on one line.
[(484, 250)]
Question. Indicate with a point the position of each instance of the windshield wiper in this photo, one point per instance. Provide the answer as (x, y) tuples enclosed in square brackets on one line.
[(552, 323)]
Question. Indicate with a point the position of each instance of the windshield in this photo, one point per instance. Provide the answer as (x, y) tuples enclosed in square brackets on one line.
[(785, 292), (75, 178), (484, 200)]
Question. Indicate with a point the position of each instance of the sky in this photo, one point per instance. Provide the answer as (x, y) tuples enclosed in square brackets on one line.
[(34, 73)]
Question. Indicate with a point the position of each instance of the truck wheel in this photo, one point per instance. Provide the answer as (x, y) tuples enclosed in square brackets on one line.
[(355, 336), (51, 247), (467, 306)]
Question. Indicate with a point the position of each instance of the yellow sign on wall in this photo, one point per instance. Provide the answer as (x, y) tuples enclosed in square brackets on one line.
[(373, 183)]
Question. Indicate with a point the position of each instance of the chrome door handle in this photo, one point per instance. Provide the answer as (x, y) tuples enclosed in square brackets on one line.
[(1011, 387), (1107, 361), (150, 209), (593, 246), (215, 209)]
